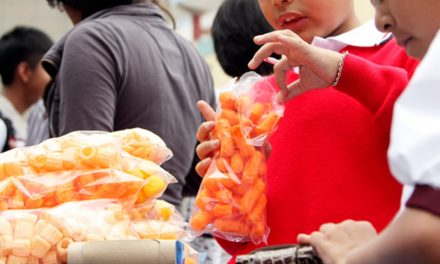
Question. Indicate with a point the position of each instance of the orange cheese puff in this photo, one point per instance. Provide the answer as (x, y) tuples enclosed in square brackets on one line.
[(227, 181), (70, 158), (200, 220), (266, 125), (3, 205), (257, 213), (141, 198), (7, 188), (12, 168), (2, 172), (230, 115), (220, 162), (154, 186), (227, 147), (257, 231), (237, 227), (203, 199), (49, 200), (87, 154), (257, 111), (227, 100), (251, 197), (33, 203), (245, 149), (105, 157), (54, 162), (65, 193), (17, 200), (237, 163), (251, 168), (221, 210), (224, 196), (263, 168), (222, 128), (37, 162), (211, 184), (243, 104)]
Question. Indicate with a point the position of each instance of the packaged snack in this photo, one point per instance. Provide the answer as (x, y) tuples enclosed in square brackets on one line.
[(44, 235), (231, 202), (143, 144), (54, 188)]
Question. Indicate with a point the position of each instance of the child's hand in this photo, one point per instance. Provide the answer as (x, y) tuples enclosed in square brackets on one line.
[(207, 147), (318, 67), (333, 242)]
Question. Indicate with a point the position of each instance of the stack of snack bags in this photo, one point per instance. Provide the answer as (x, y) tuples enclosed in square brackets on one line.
[(80, 187), (231, 202)]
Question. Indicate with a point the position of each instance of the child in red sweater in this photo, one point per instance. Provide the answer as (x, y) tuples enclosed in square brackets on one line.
[(328, 159), (414, 235)]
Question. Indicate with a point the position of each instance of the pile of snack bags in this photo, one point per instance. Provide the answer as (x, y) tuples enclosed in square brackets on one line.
[(84, 186)]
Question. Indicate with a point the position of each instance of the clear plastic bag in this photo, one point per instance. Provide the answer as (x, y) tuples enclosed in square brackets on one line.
[(54, 188), (144, 144), (84, 150), (43, 235), (231, 202)]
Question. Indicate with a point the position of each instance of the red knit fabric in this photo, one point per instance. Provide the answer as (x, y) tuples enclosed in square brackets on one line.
[(328, 160)]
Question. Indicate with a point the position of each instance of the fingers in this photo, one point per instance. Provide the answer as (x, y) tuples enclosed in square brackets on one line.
[(293, 90), (326, 228), (206, 110), (206, 149), (203, 166), (303, 239), (204, 131), (280, 70)]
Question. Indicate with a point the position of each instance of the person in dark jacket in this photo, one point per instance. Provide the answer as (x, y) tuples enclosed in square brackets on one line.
[(122, 66)]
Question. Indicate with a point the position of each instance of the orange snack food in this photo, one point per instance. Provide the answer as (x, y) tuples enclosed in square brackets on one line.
[(51, 189), (231, 202)]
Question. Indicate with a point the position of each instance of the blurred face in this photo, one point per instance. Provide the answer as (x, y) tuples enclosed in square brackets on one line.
[(38, 80), (310, 18), (413, 23)]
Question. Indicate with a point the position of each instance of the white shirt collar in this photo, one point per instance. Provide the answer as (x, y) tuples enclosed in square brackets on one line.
[(365, 35)]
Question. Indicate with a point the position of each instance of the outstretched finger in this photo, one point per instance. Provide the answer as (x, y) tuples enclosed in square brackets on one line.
[(206, 110)]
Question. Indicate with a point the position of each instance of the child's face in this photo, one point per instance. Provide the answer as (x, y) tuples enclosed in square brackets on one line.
[(310, 18), (413, 23)]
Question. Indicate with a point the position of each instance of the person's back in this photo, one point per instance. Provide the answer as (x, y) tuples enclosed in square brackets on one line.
[(123, 67)]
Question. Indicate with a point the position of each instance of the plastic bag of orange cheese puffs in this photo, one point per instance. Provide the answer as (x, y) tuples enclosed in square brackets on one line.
[(231, 202), (84, 150), (43, 235), (54, 188)]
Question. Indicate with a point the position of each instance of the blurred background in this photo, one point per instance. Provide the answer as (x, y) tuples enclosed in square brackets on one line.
[(193, 17)]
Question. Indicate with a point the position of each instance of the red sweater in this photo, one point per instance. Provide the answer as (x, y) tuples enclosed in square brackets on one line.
[(328, 160)]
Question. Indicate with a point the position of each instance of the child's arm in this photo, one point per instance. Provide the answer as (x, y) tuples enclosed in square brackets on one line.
[(413, 237), (375, 86)]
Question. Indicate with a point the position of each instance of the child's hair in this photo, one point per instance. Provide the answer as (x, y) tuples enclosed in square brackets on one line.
[(235, 25), (89, 7), (21, 44)]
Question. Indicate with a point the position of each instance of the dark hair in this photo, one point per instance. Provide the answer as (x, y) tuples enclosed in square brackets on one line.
[(89, 7), (235, 25), (21, 44)]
